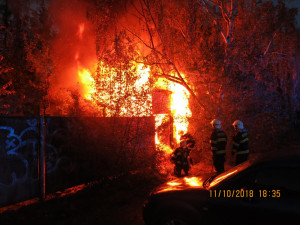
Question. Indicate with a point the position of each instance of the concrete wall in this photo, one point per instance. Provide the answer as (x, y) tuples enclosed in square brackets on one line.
[(78, 150)]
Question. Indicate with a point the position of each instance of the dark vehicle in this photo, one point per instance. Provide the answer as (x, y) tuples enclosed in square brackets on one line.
[(265, 190)]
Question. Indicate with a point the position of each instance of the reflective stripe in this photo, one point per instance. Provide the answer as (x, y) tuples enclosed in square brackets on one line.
[(213, 142), (243, 141), (236, 144), (220, 152), (243, 152), (244, 135), (221, 139)]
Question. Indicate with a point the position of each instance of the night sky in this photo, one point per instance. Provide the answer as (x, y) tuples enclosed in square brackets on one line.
[(294, 4)]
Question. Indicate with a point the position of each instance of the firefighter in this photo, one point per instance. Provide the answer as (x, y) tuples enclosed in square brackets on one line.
[(218, 143), (240, 142), (188, 138), (190, 142), (180, 157)]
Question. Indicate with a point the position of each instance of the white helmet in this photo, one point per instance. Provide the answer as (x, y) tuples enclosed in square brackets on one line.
[(216, 124), (238, 124)]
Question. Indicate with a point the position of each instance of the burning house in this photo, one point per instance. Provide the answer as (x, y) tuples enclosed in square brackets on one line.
[(125, 87)]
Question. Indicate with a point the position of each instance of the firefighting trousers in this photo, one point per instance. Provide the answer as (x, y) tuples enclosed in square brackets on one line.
[(179, 167), (218, 161), (240, 158)]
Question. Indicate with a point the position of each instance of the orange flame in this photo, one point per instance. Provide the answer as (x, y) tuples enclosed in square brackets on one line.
[(180, 111), (158, 122), (87, 83), (179, 99), (180, 108)]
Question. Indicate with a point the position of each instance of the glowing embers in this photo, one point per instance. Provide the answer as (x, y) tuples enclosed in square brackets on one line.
[(193, 181), (174, 183), (186, 181), (182, 184)]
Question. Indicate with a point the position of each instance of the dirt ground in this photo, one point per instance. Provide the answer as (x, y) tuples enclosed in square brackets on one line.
[(116, 202)]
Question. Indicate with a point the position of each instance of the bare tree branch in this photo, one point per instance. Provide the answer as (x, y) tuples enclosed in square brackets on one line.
[(227, 16), (270, 42), (148, 46), (147, 25)]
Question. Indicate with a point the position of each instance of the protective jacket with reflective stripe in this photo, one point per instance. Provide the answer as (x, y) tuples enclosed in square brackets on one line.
[(218, 142), (180, 156), (188, 138), (241, 143)]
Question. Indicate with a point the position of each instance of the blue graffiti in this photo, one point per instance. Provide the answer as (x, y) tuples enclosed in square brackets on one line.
[(19, 150), (14, 143), (10, 143)]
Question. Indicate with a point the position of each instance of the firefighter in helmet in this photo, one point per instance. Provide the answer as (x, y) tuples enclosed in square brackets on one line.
[(240, 142), (188, 138), (218, 143), (180, 156), (180, 159)]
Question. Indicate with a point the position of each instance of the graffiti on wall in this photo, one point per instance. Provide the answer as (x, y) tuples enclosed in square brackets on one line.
[(77, 150), (20, 139), (15, 163)]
